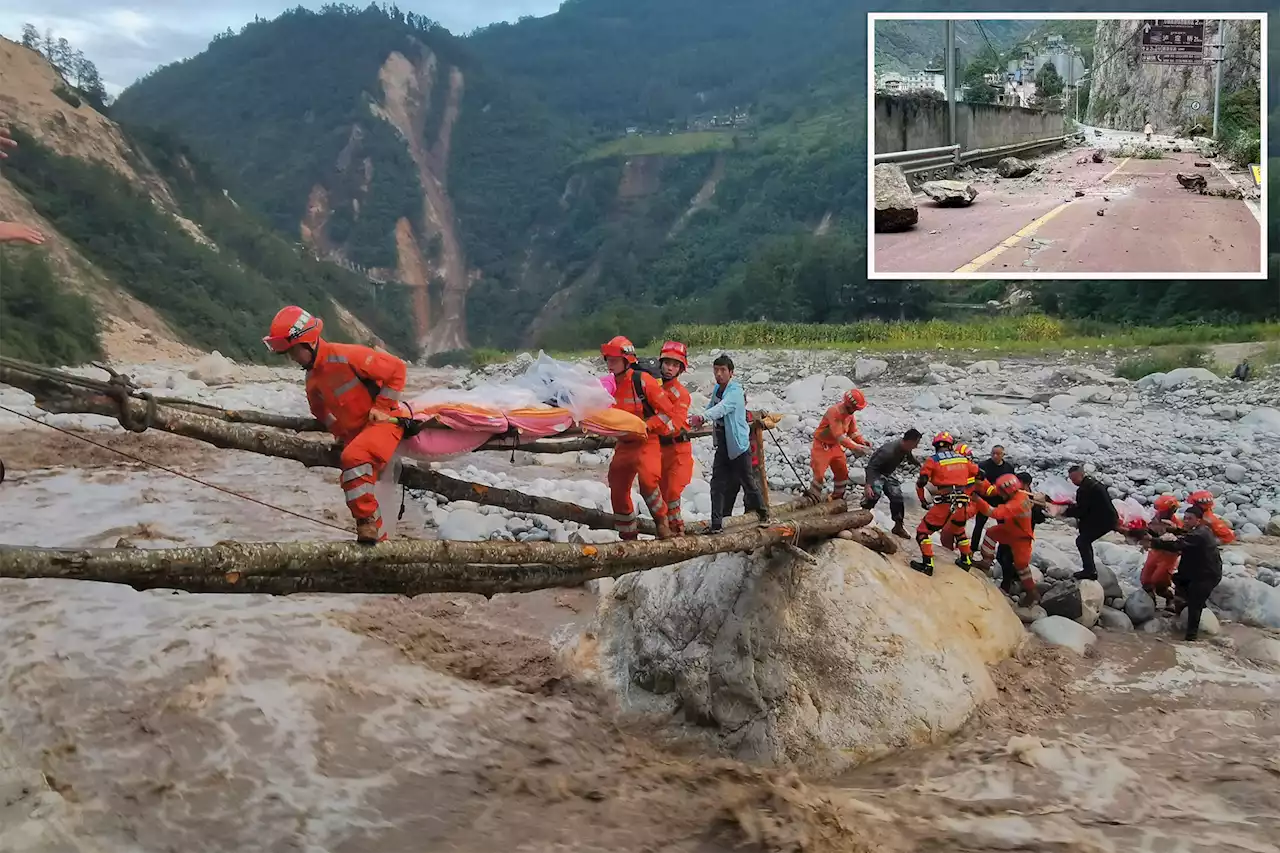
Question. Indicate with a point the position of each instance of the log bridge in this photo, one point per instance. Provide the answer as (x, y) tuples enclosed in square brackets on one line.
[(406, 566)]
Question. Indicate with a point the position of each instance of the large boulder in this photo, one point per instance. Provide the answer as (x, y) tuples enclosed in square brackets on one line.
[(1264, 419), (1186, 375), (819, 666), (1060, 631), (865, 369), (1063, 599), (1012, 167), (895, 202), (950, 193)]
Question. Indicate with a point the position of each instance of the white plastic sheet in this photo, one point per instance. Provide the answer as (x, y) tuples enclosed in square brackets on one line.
[(1133, 515), (546, 383), (1058, 489)]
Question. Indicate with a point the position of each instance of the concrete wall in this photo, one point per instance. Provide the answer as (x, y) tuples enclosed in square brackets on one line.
[(907, 124)]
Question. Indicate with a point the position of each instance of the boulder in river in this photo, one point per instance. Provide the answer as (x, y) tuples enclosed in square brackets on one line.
[(820, 666)]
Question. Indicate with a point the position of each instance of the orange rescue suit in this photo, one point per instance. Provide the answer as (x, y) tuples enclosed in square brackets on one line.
[(837, 433), (1157, 571), (344, 383), (677, 451), (1014, 528), (950, 473), (639, 457), (1220, 529)]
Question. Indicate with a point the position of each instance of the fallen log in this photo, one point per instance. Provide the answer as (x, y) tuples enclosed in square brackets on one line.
[(486, 568), (57, 397)]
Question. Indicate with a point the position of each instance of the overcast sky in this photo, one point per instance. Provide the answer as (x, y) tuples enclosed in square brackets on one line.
[(128, 38)]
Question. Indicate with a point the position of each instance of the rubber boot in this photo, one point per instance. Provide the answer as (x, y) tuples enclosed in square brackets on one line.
[(1030, 597), (629, 537), (814, 493), (662, 529), (924, 567), (838, 497), (900, 531), (766, 519), (367, 532), (964, 562)]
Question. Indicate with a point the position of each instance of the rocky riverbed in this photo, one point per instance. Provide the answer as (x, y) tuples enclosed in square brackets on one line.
[(148, 721)]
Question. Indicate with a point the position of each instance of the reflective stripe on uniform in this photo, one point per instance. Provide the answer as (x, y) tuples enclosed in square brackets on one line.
[(365, 470), (389, 393), (330, 419), (336, 359), (345, 387), (359, 491), (673, 506)]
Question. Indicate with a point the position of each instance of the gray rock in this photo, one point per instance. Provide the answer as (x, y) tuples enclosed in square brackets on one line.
[(950, 193), (1273, 526), (1012, 167), (1114, 620), (895, 202), (1235, 472), (1209, 624), (1029, 615), (1091, 596), (1139, 608), (865, 369), (1158, 625), (1059, 631), (1063, 600), (926, 401), (1110, 585)]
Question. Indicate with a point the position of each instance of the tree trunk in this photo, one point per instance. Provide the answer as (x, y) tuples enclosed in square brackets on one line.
[(60, 398), (399, 567)]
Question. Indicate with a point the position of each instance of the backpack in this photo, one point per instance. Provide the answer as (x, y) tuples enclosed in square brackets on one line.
[(649, 366)]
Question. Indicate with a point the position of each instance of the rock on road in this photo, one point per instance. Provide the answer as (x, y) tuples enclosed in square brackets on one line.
[(1049, 222)]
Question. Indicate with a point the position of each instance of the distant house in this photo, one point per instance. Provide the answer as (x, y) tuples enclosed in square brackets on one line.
[(632, 131)]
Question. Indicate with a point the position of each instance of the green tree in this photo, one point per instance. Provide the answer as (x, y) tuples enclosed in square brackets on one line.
[(42, 320), (977, 89), (1048, 82)]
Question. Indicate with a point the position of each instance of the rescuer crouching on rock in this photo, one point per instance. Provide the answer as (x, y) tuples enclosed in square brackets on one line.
[(354, 391)]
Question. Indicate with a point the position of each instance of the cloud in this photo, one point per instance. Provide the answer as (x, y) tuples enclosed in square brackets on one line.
[(127, 40)]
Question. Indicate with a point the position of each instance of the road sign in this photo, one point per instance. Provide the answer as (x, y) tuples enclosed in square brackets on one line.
[(1173, 41), (1256, 169)]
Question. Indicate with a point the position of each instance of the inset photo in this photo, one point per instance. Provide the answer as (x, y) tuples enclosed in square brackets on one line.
[(1068, 146)]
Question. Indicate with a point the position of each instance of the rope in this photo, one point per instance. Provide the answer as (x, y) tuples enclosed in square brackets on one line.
[(167, 470), (786, 459)]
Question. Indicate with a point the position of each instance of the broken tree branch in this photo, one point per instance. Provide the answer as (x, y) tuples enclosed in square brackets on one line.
[(57, 397), (486, 568)]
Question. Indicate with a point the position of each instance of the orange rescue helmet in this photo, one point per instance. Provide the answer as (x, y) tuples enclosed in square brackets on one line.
[(293, 326), (1008, 484), (675, 351), (1202, 498), (964, 450), (854, 399), (1165, 504), (619, 347), (943, 437)]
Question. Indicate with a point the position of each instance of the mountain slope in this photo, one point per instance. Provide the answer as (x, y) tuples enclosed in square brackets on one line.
[(903, 45), (141, 234)]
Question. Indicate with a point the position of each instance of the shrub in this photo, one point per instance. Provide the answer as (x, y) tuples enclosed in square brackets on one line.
[(1163, 362)]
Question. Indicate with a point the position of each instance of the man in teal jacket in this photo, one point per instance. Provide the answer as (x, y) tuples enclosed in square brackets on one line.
[(731, 469)]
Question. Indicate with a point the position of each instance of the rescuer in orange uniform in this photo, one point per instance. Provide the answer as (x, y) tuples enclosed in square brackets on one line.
[(949, 472), (355, 392), (1014, 529), (640, 394), (1157, 571), (677, 450), (837, 433), (1219, 526)]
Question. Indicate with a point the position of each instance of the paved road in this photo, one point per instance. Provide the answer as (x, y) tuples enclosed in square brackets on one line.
[(1049, 222)]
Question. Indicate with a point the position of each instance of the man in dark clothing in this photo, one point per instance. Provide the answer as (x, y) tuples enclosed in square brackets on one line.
[(880, 479), (1199, 568), (1096, 515), (991, 470), (1004, 554)]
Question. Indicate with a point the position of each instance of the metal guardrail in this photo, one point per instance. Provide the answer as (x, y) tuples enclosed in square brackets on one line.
[(950, 156)]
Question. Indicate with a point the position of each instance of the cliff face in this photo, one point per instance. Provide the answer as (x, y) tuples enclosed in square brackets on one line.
[(1126, 92)]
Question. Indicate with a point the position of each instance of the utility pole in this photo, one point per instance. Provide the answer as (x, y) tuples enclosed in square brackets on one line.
[(951, 82), (1217, 74)]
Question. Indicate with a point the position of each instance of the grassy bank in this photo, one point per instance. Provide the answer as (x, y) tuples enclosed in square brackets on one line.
[(1028, 335), (675, 145)]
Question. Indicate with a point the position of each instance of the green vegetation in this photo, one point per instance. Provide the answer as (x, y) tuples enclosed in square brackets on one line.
[(469, 358), (40, 319), (1240, 126), (673, 145), (552, 200), (220, 298), (1163, 362), (1048, 82)]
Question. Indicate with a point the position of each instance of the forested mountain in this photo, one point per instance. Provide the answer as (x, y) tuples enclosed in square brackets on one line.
[(903, 45), (614, 165)]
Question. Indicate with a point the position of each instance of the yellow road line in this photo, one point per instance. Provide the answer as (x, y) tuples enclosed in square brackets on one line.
[(1116, 169), (1009, 242)]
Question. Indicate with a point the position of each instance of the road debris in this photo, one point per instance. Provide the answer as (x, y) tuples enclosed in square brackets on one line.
[(1012, 167), (1193, 182), (895, 203), (950, 193)]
